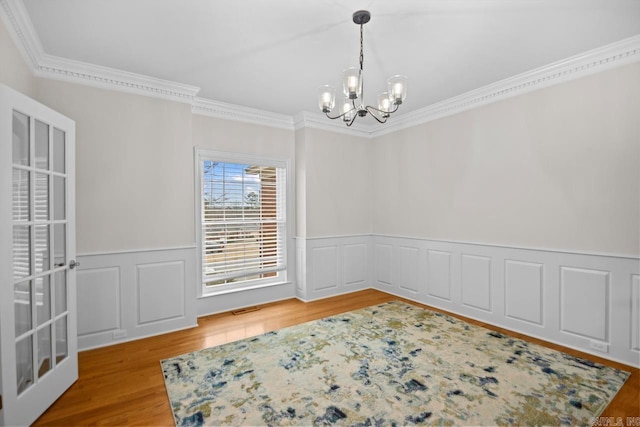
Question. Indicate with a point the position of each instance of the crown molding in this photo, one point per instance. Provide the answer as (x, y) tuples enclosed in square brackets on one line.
[(623, 52), (20, 27), (222, 110), (57, 68), (43, 65)]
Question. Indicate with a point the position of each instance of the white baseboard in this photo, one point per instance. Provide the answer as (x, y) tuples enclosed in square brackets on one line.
[(125, 340), (347, 292)]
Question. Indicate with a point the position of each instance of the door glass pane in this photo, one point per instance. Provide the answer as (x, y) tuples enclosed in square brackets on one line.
[(58, 151), (62, 350), (41, 249), (24, 363), (21, 251), (22, 307), (43, 298), (58, 197), (44, 350), (20, 139), (20, 195), (42, 145), (41, 202), (60, 281), (59, 245)]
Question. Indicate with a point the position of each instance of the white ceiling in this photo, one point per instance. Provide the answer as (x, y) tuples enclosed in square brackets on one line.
[(274, 54)]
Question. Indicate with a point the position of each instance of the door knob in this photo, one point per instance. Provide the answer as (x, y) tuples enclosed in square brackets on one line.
[(73, 264)]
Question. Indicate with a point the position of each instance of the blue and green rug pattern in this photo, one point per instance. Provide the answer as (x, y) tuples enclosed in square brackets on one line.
[(390, 364)]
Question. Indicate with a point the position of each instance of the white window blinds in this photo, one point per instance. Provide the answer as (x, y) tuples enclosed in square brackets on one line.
[(243, 222)]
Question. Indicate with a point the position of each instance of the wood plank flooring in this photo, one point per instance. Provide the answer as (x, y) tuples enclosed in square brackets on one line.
[(123, 384)]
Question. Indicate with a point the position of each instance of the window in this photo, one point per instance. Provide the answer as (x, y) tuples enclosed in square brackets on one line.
[(242, 221)]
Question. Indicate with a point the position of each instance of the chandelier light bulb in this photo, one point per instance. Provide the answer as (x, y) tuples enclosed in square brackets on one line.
[(352, 83), (348, 111), (385, 104), (327, 98), (397, 89)]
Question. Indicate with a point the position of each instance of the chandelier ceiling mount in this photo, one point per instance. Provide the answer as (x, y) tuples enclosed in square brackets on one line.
[(352, 83)]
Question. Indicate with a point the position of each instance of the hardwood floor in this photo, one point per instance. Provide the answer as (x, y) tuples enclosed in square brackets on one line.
[(123, 384)]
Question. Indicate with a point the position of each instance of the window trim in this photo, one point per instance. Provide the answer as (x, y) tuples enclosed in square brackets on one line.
[(201, 155)]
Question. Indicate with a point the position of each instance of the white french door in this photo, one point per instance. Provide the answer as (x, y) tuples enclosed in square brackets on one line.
[(38, 332)]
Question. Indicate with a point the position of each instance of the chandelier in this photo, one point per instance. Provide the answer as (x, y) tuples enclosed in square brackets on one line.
[(352, 84)]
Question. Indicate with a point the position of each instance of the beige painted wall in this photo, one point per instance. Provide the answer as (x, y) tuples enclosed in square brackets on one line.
[(558, 168), (232, 136), (14, 72), (336, 175), (134, 167)]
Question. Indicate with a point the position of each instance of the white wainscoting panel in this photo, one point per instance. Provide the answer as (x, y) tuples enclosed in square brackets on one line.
[(383, 261), (476, 281), (523, 290), (439, 274), (98, 285), (575, 300), (332, 266), (356, 264), (324, 268), (409, 269), (583, 301), (131, 295), (161, 290)]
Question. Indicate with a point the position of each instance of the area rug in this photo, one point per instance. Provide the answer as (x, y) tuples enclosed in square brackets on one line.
[(390, 364)]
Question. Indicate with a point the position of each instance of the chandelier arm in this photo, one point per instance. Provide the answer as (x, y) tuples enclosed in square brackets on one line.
[(375, 116), (383, 112), (353, 119), (341, 115)]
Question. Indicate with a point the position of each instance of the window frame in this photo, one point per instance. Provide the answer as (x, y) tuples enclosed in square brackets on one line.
[(200, 156)]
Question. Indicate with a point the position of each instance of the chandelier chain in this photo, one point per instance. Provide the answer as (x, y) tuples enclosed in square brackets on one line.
[(361, 43)]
